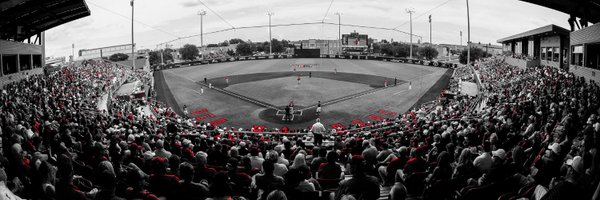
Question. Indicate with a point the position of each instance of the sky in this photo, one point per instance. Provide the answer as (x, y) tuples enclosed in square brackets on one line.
[(160, 21)]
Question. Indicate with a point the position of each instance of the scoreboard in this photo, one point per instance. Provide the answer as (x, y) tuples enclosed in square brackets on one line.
[(355, 39)]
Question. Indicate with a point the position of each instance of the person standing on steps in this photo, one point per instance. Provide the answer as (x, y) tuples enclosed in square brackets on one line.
[(318, 129)]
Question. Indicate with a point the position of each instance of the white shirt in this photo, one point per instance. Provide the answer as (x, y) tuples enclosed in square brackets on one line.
[(483, 162), (318, 128), (256, 162)]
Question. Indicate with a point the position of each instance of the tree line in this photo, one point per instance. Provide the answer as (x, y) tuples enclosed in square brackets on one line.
[(247, 48), (397, 49)]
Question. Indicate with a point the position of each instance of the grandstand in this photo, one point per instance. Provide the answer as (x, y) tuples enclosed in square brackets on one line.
[(22, 40), (313, 124)]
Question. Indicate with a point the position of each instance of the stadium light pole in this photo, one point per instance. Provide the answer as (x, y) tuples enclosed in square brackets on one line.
[(430, 31), (270, 36), (410, 12), (468, 35), (162, 61), (202, 13), (460, 38), (339, 14), (132, 41)]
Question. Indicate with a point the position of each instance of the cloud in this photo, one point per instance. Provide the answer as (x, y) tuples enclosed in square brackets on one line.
[(490, 20), (192, 3)]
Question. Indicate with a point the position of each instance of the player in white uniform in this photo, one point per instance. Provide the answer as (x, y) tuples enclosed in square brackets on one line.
[(319, 108)]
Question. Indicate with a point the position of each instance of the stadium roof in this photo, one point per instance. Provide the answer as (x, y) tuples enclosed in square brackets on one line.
[(550, 29), (21, 19), (575, 7)]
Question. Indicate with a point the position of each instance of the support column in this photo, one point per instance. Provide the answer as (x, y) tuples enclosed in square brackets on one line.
[(31, 62), (584, 54), (18, 63), (43, 42), (1, 66)]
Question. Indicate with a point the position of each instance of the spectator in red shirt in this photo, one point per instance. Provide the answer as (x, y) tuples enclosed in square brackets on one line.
[(322, 158), (136, 190), (161, 183), (388, 173), (416, 163), (330, 169)]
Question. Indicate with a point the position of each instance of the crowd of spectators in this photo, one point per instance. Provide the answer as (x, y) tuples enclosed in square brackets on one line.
[(536, 138)]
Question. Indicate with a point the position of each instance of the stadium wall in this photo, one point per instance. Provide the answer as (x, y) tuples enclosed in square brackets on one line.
[(521, 63), (16, 57), (585, 72), (585, 51), (307, 53)]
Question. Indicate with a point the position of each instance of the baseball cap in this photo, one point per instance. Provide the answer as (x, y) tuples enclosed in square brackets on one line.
[(555, 148), (499, 153), (576, 163)]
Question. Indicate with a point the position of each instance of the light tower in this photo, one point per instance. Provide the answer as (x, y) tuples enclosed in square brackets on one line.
[(460, 38), (339, 14), (410, 11), (269, 13), (430, 30), (468, 35), (132, 41), (202, 13)]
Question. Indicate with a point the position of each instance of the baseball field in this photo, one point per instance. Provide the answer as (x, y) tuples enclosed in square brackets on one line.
[(256, 92)]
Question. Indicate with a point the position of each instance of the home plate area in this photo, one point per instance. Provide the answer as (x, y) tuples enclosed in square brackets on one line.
[(290, 117)]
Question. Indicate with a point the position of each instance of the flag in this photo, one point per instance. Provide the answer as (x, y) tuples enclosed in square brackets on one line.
[(429, 18)]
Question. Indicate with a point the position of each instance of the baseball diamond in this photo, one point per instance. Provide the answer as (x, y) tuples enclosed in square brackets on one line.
[(256, 92)]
